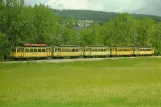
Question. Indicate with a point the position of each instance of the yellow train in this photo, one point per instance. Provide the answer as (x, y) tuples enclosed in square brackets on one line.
[(42, 51)]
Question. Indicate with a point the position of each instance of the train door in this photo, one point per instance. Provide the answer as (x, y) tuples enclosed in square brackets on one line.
[(113, 51), (87, 51), (48, 51), (81, 51), (135, 51), (20, 52), (57, 52), (108, 51)]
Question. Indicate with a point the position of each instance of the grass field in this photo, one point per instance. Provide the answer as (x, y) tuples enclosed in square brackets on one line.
[(107, 83)]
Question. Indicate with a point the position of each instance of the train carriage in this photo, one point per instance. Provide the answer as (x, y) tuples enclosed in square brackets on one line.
[(122, 51), (31, 51), (67, 51), (96, 51), (144, 51)]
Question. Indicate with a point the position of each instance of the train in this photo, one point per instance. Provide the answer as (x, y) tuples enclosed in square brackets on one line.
[(72, 51)]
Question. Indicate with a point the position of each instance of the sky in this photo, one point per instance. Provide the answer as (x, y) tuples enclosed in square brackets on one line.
[(151, 7)]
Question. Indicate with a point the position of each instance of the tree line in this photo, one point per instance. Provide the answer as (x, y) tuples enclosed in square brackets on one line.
[(96, 15), (20, 23)]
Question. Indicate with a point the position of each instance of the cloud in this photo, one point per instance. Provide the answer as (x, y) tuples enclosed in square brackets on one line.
[(152, 7)]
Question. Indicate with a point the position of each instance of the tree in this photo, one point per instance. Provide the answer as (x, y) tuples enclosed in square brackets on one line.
[(156, 40), (124, 29), (95, 36), (4, 46), (106, 33), (86, 37), (43, 22), (144, 32)]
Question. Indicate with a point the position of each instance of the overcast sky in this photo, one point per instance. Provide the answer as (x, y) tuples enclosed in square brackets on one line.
[(152, 7)]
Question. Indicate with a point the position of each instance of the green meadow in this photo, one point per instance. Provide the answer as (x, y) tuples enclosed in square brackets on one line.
[(107, 83)]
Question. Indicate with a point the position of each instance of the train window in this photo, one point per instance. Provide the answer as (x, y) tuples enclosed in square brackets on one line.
[(35, 50), (69, 50), (13, 50), (31, 50), (87, 49), (39, 50), (56, 50), (48, 50), (126, 49), (73, 50), (141, 49), (147, 50), (27, 50), (20, 50), (119, 49), (64, 50), (43, 50)]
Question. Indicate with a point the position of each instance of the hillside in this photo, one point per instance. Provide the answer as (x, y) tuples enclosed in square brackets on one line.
[(95, 15)]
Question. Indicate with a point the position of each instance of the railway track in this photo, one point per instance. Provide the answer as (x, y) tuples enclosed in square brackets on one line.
[(75, 60)]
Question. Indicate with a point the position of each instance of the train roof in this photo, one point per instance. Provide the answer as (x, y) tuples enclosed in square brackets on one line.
[(96, 46), (68, 46), (28, 47), (131, 46)]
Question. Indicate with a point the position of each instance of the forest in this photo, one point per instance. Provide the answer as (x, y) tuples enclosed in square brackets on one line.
[(21, 23), (96, 15)]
